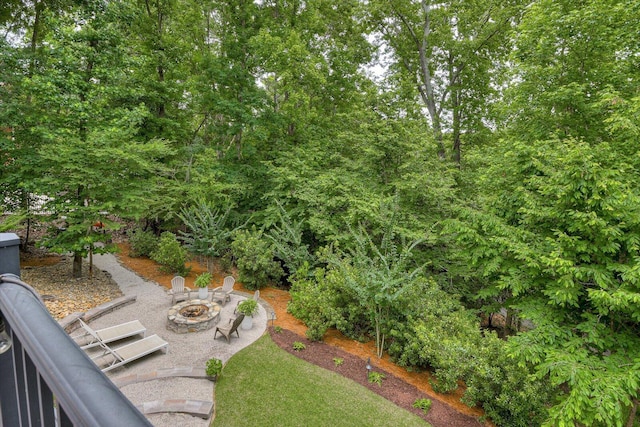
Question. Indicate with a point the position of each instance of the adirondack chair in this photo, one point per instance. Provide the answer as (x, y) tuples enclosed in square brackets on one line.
[(223, 293), (179, 291), (229, 328)]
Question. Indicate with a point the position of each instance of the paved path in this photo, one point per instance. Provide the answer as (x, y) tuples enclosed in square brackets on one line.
[(185, 350)]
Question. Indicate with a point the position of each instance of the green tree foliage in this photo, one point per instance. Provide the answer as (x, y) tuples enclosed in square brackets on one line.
[(439, 334), (378, 274), (83, 150), (209, 229), (447, 54), (564, 247), (287, 239), (569, 55)]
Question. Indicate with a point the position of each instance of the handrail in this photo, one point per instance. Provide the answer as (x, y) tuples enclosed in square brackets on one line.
[(42, 350)]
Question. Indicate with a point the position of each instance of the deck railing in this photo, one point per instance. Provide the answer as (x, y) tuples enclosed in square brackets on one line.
[(45, 378)]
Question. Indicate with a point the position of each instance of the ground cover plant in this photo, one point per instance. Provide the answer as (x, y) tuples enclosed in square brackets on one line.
[(264, 385)]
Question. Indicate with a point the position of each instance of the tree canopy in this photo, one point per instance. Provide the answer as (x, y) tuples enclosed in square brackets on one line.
[(317, 139)]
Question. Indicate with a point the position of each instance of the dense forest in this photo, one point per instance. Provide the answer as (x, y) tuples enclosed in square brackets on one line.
[(405, 167)]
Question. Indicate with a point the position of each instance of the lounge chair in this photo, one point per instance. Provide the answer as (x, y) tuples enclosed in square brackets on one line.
[(256, 297), (179, 291), (92, 338), (229, 328), (130, 352), (223, 293)]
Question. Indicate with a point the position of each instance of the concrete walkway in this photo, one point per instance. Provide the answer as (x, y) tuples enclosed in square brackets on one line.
[(188, 351)]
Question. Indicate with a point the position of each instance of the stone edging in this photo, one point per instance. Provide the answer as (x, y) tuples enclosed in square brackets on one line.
[(70, 322)]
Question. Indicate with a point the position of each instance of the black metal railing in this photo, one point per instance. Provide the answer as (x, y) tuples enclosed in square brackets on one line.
[(45, 378)]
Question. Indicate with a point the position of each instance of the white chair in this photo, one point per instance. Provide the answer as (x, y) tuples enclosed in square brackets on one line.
[(179, 291), (223, 293)]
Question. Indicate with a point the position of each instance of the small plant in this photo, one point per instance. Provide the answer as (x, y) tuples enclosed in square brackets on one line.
[(338, 361), (424, 404), (277, 329), (299, 346), (248, 307), (375, 377), (203, 280), (214, 367)]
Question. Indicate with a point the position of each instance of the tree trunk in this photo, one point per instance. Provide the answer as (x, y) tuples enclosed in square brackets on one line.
[(426, 88), (632, 414), (91, 261), (77, 265)]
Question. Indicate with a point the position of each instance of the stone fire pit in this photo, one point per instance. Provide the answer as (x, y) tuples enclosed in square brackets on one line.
[(193, 316)]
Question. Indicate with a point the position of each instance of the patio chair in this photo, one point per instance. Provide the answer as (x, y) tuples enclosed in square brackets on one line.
[(229, 328), (223, 293), (256, 297), (92, 338), (130, 352), (179, 291)]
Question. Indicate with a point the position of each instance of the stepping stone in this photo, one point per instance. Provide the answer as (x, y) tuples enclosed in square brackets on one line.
[(197, 408)]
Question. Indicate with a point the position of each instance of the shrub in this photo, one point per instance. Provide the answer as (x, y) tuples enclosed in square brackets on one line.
[(171, 255), (288, 244), (254, 258), (299, 346), (338, 361), (209, 229), (143, 243), (424, 404), (316, 301), (214, 367)]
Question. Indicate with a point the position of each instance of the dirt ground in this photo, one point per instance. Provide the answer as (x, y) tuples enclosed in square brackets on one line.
[(399, 385)]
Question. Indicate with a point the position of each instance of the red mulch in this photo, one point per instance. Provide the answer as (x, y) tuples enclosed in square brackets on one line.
[(394, 389)]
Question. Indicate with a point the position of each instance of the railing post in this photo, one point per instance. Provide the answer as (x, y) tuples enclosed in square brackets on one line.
[(9, 254), (9, 407)]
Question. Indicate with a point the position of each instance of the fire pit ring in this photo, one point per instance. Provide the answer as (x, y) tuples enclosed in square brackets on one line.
[(193, 316)]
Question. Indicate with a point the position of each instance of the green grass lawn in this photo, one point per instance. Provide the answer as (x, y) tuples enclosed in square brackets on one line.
[(264, 385)]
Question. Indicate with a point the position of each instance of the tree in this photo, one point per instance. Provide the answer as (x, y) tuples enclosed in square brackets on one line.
[(91, 162), (448, 52), (561, 238), (378, 275)]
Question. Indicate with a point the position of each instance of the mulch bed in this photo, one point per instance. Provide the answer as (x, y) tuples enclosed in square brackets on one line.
[(354, 368)]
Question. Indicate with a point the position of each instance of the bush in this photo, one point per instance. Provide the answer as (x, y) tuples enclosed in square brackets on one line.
[(209, 229), (143, 243), (443, 336), (288, 244), (254, 258), (214, 367), (313, 301), (170, 255)]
